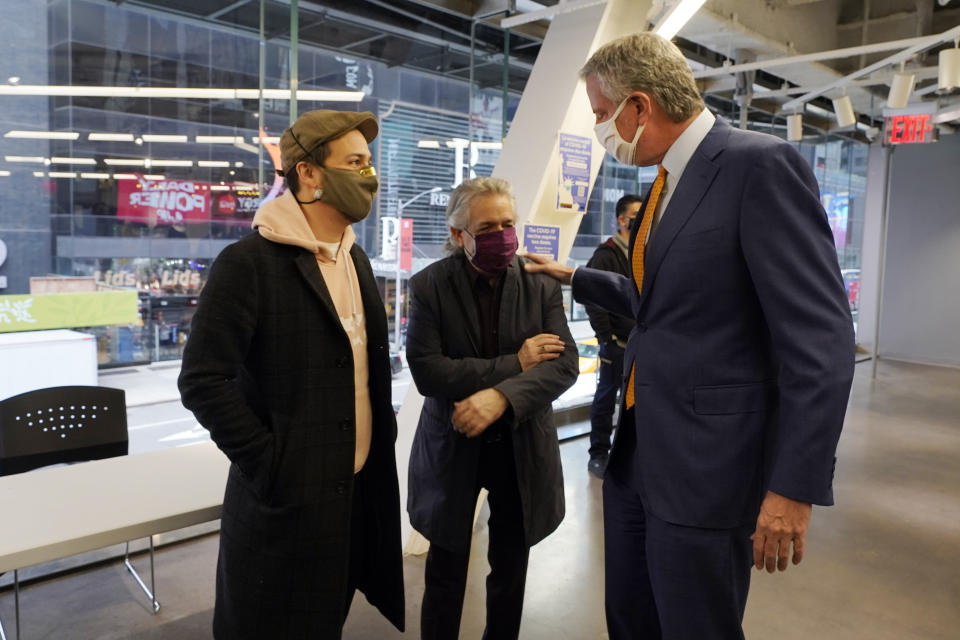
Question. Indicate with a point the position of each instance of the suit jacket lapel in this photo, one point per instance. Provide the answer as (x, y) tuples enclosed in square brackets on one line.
[(462, 289), (307, 264), (696, 179)]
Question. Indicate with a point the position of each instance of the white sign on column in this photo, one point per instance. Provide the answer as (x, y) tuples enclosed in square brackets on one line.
[(3, 258), (389, 238)]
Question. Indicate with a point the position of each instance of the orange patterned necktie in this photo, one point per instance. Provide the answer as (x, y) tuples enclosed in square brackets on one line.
[(639, 252)]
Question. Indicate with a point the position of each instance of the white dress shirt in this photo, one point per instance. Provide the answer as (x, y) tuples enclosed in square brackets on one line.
[(677, 157)]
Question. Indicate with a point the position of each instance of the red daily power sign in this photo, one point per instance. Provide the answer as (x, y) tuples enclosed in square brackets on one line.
[(163, 201)]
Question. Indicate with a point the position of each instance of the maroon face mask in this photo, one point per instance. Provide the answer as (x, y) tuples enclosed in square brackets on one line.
[(494, 249)]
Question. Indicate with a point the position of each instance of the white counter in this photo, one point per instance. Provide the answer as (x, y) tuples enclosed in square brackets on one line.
[(39, 359)]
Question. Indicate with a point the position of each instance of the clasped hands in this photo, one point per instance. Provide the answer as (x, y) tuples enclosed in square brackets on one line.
[(473, 414)]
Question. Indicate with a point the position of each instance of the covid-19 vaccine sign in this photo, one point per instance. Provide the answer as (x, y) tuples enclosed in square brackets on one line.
[(542, 239), (574, 178)]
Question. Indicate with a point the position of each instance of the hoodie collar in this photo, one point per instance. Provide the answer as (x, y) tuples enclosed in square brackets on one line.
[(282, 221)]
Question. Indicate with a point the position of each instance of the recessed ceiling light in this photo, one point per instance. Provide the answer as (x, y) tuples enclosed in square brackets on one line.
[(34, 159), (219, 139), (158, 137), (171, 163), (111, 137), (59, 160), (42, 135), (87, 91)]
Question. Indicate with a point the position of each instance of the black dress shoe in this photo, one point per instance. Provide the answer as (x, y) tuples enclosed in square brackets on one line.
[(597, 466)]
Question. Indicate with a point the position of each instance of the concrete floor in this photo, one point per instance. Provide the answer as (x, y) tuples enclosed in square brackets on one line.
[(883, 564)]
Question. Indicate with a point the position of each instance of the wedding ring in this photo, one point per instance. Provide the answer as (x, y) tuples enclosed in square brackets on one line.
[(542, 349)]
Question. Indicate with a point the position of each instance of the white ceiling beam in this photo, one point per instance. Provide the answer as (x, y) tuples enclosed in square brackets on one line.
[(948, 114), (833, 54), (878, 79), (947, 35), (548, 12)]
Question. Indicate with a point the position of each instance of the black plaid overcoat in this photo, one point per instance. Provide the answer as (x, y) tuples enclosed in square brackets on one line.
[(268, 370)]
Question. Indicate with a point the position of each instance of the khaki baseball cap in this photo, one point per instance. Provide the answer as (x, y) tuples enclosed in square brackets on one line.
[(313, 128)]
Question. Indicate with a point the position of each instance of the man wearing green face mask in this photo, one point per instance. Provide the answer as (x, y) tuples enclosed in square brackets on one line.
[(287, 367)]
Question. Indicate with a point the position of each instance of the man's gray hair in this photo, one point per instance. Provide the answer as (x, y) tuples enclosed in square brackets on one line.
[(461, 199), (649, 63)]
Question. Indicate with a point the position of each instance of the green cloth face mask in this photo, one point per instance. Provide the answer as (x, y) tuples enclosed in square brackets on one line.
[(349, 191)]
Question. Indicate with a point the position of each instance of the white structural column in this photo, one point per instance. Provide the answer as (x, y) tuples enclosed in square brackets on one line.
[(555, 101), (871, 254)]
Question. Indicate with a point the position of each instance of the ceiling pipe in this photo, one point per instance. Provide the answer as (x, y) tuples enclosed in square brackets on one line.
[(547, 12), (924, 73), (833, 54), (950, 34)]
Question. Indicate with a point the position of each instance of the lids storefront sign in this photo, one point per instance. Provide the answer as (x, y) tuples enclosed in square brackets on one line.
[(162, 279), (163, 201)]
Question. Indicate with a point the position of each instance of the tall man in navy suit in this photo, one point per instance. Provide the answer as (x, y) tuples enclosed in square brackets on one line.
[(738, 371)]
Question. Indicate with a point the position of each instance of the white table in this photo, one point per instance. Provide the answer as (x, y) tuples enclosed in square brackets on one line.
[(58, 512)]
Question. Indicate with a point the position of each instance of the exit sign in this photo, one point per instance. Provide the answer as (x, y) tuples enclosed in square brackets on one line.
[(913, 125)]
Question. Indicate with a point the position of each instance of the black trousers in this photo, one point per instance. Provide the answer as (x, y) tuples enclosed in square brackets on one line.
[(670, 582), (609, 381), (446, 570)]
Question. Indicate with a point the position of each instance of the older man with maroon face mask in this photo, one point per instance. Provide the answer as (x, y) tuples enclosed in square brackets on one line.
[(488, 345)]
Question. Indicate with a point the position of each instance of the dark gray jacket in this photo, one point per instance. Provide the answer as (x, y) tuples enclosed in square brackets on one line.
[(268, 370), (443, 350), (609, 257)]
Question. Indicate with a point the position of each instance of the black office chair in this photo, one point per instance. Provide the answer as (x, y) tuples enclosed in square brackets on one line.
[(65, 425), (61, 424)]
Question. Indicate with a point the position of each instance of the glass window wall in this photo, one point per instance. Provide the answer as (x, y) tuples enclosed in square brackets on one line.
[(104, 175)]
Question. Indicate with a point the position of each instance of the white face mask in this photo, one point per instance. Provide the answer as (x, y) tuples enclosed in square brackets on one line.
[(609, 137)]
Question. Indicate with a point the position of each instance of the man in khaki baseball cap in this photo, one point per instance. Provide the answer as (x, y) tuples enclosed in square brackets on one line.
[(287, 367)]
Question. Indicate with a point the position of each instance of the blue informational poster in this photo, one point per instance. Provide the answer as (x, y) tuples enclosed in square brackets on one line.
[(542, 239), (573, 185)]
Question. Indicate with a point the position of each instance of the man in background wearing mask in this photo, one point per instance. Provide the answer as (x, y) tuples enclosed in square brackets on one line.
[(287, 367), (739, 367), (612, 331), (489, 348)]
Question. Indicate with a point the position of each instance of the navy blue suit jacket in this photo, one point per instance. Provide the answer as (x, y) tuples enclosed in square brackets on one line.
[(744, 342)]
